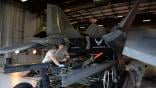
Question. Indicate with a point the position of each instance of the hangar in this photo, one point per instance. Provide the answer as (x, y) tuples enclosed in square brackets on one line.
[(106, 43)]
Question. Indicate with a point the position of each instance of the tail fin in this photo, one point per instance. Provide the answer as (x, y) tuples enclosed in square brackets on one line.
[(57, 23)]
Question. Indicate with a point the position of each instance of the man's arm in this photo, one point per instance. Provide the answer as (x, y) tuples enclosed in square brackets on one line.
[(56, 62), (54, 59), (67, 54)]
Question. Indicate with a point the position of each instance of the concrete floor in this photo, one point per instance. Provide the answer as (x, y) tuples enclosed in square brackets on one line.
[(148, 84), (10, 80)]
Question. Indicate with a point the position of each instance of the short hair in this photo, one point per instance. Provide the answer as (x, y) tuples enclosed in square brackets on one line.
[(62, 43), (23, 85), (54, 47)]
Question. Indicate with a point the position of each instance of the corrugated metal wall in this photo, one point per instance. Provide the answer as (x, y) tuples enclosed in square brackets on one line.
[(16, 25)]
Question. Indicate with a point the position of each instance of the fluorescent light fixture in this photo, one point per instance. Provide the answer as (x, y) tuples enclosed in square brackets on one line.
[(100, 25), (82, 27), (17, 52), (34, 51), (73, 22), (24, 0), (67, 10), (147, 20), (119, 16), (44, 28), (97, 0)]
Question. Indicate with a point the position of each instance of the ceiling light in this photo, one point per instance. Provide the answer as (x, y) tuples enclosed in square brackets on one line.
[(100, 25), (34, 51), (82, 27), (67, 10), (44, 28), (73, 22), (119, 16), (17, 52), (147, 20), (24, 0), (97, 0)]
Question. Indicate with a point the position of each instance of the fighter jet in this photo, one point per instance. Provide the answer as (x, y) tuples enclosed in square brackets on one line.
[(119, 39), (137, 44)]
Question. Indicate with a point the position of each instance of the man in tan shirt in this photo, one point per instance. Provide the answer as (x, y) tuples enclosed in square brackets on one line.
[(61, 54)]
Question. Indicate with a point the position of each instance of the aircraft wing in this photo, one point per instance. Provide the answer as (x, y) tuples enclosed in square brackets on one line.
[(19, 47), (141, 45)]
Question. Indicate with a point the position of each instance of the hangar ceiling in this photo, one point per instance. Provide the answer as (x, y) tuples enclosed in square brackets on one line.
[(108, 11), (79, 11)]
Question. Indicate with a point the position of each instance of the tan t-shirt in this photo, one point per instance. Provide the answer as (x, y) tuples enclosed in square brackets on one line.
[(61, 54)]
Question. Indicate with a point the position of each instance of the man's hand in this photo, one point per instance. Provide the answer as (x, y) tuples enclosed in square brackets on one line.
[(64, 60), (61, 65), (68, 56)]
